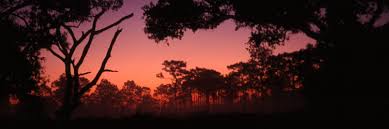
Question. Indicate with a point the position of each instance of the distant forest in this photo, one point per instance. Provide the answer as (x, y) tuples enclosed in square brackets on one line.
[(342, 76), (277, 88)]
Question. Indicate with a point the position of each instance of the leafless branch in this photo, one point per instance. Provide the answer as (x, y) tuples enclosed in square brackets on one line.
[(60, 48), (95, 32), (74, 26), (56, 54), (82, 74), (69, 29), (91, 33), (103, 64), (109, 70), (115, 23)]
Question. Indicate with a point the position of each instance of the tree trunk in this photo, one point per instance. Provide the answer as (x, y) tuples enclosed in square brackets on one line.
[(70, 101), (64, 112), (207, 102)]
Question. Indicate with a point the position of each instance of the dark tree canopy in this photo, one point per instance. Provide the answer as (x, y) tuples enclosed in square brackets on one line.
[(205, 80), (270, 20), (349, 51), (21, 70)]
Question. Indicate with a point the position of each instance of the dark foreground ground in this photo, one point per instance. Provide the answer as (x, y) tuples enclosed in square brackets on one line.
[(295, 120)]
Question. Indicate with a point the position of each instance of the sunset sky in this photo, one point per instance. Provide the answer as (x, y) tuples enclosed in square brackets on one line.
[(138, 58)]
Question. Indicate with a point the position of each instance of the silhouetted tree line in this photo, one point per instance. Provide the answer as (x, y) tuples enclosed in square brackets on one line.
[(107, 100), (341, 76), (249, 87), (255, 86), (260, 82), (350, 37), (104, 101)]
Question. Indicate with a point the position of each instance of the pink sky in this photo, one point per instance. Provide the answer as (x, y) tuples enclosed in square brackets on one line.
[(138, 58)]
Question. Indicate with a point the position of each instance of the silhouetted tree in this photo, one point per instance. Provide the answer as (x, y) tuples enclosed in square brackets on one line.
[(21, 70), (105, 100), (164, 94), (37, 24), (207, 81), (245, 78), (131, 94), (232, 87), (177, 71), (65, 22), (27, 27), (135, 99), (147, 105), (350, 67)]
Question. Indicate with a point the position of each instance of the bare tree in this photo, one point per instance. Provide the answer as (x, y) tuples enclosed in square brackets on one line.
[(73, 90)]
